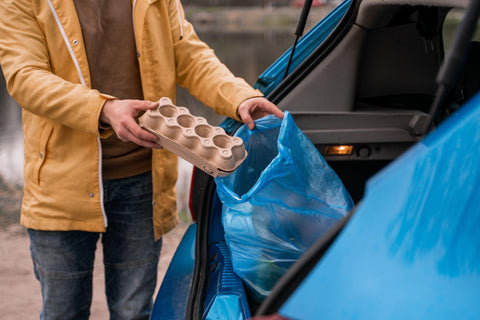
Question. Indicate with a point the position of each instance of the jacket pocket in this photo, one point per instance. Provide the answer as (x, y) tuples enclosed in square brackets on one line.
[(42, 153)]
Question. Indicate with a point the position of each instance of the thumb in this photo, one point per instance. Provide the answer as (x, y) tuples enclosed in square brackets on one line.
[(249, 122), (246, 118)]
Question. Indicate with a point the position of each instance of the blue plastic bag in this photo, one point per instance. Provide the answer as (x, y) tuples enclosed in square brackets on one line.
[(281, 200)]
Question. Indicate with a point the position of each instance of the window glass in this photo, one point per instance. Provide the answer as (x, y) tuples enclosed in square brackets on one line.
[(451, 23), (468, 82)]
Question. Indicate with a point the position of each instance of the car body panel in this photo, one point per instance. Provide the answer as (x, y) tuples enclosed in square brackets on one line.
[(412, 249), (225, 294), (173, 294), (377, 253)]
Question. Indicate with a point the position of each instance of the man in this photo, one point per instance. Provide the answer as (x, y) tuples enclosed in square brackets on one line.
[(78, 69)]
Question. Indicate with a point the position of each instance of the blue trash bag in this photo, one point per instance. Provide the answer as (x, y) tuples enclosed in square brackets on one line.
[(282, 198)]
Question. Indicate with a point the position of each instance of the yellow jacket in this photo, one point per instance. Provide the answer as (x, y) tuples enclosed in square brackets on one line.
[(46, 70)]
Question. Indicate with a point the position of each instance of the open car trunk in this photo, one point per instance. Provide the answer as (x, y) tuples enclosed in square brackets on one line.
[(363, 97)]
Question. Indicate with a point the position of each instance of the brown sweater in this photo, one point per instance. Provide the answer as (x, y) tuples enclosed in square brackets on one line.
[(107, 29)]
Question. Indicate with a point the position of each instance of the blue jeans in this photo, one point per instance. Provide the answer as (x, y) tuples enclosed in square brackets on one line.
[(63, 260)]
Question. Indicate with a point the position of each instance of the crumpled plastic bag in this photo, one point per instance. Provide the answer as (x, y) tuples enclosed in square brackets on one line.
[(281, 200)]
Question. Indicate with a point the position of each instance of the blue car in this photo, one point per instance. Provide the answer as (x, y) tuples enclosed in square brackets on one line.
[(386, 90)]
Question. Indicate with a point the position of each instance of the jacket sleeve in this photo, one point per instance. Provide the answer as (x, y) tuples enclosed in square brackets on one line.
[(201, 72), (25, 62)]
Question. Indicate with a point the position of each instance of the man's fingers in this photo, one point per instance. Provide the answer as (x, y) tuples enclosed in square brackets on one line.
[(255, 108), (144, 143), (248, 120), (131, 131), (266, 108), (275, 111), (140, 133), (144, 105)]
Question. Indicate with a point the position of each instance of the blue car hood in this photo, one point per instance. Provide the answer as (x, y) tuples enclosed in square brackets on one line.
[(412, 249)]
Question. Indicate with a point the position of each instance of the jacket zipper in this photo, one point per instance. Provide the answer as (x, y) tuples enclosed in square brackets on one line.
[(82, 80), (133, 24), (179, 19)]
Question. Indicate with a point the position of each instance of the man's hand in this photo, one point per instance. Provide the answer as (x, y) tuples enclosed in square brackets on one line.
[(256, 108), (120, 115)]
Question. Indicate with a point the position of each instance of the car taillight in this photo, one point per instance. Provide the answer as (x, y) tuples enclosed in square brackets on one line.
[(338, 150)]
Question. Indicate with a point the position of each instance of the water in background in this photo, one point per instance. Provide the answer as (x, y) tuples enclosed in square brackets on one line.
[(11, 158), (11, 151)]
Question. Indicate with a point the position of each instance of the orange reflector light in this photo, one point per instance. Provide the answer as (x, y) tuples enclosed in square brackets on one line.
[(339, 150)]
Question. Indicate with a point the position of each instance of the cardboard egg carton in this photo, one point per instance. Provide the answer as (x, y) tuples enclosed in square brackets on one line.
[(207, 147)]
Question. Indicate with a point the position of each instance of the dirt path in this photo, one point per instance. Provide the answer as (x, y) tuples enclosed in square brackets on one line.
[(20, 296)]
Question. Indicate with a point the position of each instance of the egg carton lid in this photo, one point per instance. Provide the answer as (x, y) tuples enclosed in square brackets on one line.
[(192, 138)]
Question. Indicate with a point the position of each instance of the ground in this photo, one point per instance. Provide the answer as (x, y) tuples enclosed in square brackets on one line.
[(20, 296)]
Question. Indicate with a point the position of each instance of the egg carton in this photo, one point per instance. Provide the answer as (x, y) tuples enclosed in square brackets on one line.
[(205, 146)]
